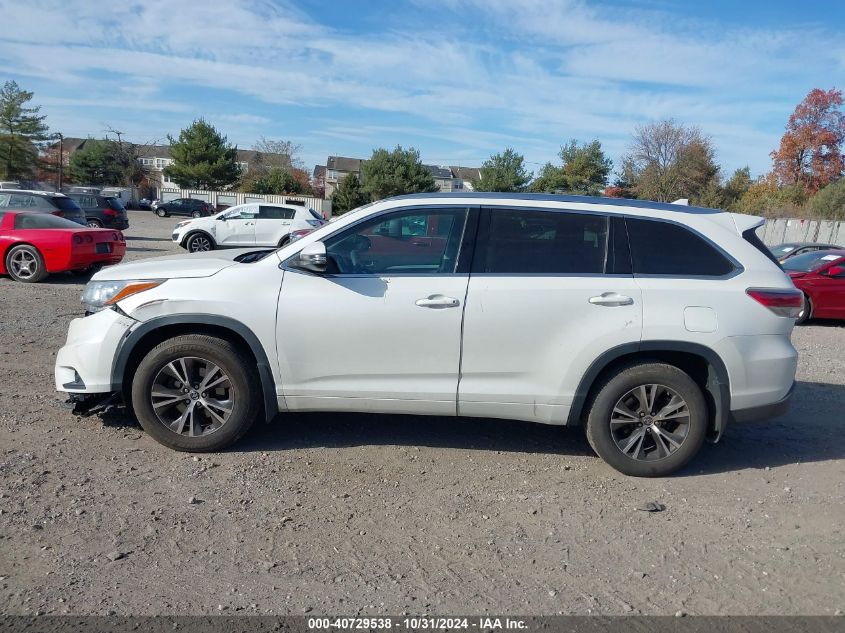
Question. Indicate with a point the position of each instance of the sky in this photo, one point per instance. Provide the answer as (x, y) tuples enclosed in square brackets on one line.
[(457, 79)]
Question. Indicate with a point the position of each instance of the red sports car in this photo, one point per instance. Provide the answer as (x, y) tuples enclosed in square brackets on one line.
[(820, 275), (33, 245)]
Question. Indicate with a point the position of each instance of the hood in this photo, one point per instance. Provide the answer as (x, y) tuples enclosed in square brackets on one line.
[(173, 266)]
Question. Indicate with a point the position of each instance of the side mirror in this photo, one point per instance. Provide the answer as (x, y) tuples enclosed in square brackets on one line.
[(312, 258), (223, 218), (836, 271)]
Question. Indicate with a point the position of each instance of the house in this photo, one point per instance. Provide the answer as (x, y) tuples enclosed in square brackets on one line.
[(338, 168), (466, 176), (318, 181), (442, 178)]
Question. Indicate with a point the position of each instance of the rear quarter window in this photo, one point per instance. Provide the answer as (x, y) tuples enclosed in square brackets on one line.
[(664, 248)]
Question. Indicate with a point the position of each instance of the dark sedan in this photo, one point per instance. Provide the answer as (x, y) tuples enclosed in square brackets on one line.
[(191, 207), (784, 251)]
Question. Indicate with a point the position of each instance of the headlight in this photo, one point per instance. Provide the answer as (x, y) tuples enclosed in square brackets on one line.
[(101, 294), (183, 223)]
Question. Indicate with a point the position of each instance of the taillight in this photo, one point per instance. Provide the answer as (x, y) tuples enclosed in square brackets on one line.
[(785, 303), (89, 239), (115, 237), (77, 239), (110, 212)]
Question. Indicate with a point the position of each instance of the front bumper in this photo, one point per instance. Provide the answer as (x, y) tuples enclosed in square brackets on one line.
[(84, 364), (764, 412)]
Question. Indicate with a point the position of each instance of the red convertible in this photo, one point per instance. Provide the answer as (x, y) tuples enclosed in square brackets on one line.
[(33, 245), (820, 275)]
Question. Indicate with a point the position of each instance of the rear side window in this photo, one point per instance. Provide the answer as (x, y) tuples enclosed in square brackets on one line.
[(42, 221), (275, 213), (663, 248), (550, 242)]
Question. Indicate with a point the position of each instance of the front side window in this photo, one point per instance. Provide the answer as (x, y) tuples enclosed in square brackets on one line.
[(248, 212), (545, 242), (403, 243)]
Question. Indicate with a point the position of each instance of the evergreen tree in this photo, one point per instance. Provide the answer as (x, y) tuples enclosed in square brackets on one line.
[(503, 172), (584, 171), (99, 163), (395, 173), (202, 158), (21, 128), (348, 195)]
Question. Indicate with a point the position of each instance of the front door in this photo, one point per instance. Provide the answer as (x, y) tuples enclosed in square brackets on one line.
[(237, 226), (545, 299), (381, 329), (829, 298)]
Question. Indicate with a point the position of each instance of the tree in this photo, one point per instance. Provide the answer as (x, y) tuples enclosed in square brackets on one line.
[(278, 153), (98, 163), (584, 170), (395, 173), (503, 172), (348, 195), (202, 158), (829, 202), (767, 197), (21, 128), (810, 152), (667, 161), (274, 181), (735, 188)]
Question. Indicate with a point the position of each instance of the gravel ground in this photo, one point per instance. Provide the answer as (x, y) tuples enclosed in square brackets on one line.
[(366, 514)]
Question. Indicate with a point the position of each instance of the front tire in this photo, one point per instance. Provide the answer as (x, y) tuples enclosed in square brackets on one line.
[(647, 419), (199, 243), (196, 214), (196, 393), (162, 213), (24, 263)]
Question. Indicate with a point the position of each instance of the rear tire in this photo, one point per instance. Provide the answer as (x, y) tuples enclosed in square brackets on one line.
[(24, 263), (649, 433), (94, 224), (806, 312), (206, 392)]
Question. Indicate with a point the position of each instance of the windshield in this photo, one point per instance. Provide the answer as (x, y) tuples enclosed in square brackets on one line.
[(43, 221), (782, 249), (810, 261)]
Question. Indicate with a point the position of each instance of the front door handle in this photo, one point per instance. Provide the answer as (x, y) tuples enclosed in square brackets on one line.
[(611, 299), (438, 301)]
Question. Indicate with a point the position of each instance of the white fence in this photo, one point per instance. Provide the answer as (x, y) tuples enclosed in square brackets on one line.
[(221, 199), (792, 230)]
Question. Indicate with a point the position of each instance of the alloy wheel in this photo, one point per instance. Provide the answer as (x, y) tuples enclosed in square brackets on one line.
[(192, 396), (23, 264), (650, 422), (200, 244)]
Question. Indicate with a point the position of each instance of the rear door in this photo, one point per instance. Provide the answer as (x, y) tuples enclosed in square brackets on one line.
[(272, 224), (550, 291)]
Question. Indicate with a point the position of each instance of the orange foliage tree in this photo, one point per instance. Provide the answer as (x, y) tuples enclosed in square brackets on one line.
[(810, 152)]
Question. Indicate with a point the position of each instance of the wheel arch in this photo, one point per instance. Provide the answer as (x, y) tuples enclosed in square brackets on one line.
[(703, 365), (150, 333)]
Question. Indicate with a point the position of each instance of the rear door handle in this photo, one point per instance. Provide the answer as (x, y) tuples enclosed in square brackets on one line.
[(438, 301), (611, 299)]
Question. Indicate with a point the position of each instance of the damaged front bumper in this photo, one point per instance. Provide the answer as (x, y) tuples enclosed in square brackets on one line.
[(87, 404)]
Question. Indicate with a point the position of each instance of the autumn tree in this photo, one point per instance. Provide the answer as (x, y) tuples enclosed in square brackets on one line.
[(202, 158), (21, 129), (503, 172), (667, 161), (397, 172), (584, 170), (810, 152)]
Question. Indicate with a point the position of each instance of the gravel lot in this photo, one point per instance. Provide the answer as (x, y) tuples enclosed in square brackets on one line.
[(350, 514)]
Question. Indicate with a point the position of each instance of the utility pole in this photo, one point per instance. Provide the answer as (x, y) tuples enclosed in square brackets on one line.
[(61, 159)]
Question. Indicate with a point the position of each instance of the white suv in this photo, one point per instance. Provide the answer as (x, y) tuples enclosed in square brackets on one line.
[(252, 224), (653, 325)]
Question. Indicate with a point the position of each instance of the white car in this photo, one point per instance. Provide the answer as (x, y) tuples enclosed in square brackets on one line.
[(252, 224), (654, 325)]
